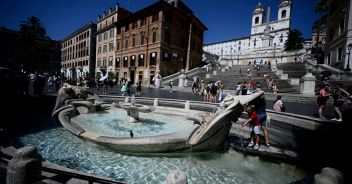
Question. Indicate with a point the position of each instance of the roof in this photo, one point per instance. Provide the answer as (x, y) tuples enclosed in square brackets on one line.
[(183, 9), (225, 41), (80, 30)]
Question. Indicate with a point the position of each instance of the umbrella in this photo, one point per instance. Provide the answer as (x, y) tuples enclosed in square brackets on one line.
[(103, 78), (326, 73)]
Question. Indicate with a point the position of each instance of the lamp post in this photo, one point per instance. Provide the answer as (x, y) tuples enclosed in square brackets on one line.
[(349, 47)]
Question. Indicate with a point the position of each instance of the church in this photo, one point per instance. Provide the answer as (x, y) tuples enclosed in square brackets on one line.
[(266, 42)]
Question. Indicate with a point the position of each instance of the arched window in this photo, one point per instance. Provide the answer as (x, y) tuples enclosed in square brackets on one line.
[(256, 21), (283, 14)]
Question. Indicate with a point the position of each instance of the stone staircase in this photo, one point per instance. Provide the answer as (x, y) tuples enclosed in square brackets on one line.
[(294, 70), (232, 75)]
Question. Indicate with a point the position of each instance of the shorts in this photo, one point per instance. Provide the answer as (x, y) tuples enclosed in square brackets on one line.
[(322, 100), (263, 123), (256, 130)]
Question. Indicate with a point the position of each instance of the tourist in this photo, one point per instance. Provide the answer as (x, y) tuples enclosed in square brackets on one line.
[(206, 92), (213, 92), (202, 87), (254, 125), (279, 105), (171, 84), (241, 71), (262, 116), (323, 96), (124, 88), (338, 102), (139, 87)]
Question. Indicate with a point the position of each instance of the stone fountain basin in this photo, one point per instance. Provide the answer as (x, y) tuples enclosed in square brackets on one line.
[(173, 141)]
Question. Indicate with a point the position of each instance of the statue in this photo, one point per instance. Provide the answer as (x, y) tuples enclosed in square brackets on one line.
[(181, 79), (157, 80)]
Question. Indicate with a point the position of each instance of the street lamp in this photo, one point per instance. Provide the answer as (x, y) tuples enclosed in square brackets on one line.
[(349, 47)]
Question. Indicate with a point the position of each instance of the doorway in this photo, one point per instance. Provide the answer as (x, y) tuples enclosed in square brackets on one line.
[(132, 73)]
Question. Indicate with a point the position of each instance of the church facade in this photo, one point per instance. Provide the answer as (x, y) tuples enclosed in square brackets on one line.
[(266, 41)]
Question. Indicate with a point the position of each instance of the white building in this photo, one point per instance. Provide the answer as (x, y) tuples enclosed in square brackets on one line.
[(78, 52), (265, 43)]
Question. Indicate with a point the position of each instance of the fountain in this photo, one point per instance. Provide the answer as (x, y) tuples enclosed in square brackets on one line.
[(133, 109), (162, 130), (165, 130)]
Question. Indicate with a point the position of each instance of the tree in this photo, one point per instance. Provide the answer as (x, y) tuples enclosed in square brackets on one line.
[(294, 40), (33, 27), (33, 42)]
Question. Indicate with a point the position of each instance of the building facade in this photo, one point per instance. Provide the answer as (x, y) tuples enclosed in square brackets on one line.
[(339, 34), (319, 26), (266, 38), (164, 38), (78, 53)]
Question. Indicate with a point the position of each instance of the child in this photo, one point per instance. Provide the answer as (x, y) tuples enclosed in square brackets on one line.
[(255, 128)]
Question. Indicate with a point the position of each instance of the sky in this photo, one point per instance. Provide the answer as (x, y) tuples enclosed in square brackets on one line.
[(225, 19)]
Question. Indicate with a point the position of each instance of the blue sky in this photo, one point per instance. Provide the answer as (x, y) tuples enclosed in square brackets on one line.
[(225, 19)]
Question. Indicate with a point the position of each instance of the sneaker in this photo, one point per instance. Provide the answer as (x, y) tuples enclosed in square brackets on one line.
[(250, 144), (267, 144), (333, 119), (256, 147), (339, 120)]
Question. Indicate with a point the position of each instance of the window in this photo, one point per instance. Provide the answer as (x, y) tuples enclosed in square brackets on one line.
[(111, 47), (99, 38), (155, 17), (118, 45), (133, 41), (134, 25), (126, 28), (105, 35), (99, 63), (283, 14), (142, 39), (117, 62), (143, 21), (153, 57), (112, 33), (104, 62), (256, 21), (99, 49), (126, 43), (342, 25), (339, 54), (154, 36), (255, 42), (112, 19), (110, 61), (105, 48), (141, 60), (133, 60), (125, 61), (106, 23)]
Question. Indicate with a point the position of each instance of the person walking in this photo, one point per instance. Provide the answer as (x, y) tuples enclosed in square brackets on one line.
[(338, 102), (323, 96), (171, 84)]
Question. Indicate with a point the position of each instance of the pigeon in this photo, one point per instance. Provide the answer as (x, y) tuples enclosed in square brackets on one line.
[(131, 133)]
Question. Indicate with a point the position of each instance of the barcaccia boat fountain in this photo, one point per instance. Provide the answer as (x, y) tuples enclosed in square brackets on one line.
[(155, 129)]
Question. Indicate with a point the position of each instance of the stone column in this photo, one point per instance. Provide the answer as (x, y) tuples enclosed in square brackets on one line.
[(308, 84), (21, 167)]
